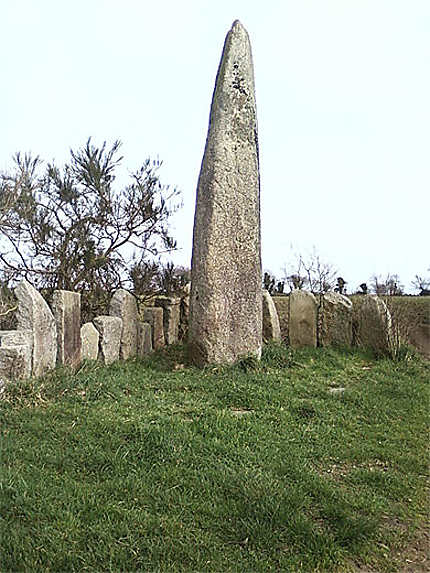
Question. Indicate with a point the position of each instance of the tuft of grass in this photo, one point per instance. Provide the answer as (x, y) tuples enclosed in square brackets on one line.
[(312, 460)]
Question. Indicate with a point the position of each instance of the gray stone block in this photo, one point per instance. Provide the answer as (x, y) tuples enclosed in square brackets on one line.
[(66, 307), (303, 319), (374, 325), (171, 316), (144, 346), (123, 305), (14, 362), (23, 339), (109, 328), (336, 320), (34, 314), (271, 327), (89, 341), (154, 315)]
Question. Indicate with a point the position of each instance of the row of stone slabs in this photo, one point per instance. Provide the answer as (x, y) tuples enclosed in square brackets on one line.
[(330, 320), (46, 338)]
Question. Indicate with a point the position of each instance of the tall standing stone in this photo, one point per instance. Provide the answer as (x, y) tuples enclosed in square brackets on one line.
[(66, 306), (226, 303), (34, 314)]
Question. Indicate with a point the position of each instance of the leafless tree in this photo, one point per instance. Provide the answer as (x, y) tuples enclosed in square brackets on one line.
[(390, 285), (421, 284), (310, 271)]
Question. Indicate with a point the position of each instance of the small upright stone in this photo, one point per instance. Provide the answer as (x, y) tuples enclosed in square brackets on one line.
[(303, 319), (184, 318), (171, 316), (66, 306), (123, 305), (16, 338), (226, 303), (374, 325), (154, 315), (144, 345), (14, 362), (109, 328), (336, 320), (34, 314), (271, 328), (282, 304), (89, 341)]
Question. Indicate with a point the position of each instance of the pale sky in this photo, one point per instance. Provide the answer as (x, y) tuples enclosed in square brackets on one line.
[(343, 98)]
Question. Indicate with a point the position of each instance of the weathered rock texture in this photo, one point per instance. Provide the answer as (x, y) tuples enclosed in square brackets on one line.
[(154, 315), (15, 354), (144, 345), (303, 319), (282, 304), (14, 362), (109, 328), (271, 327), (336, 320), (374, 325), (34, 314), (171, 316), (123, 305), (89, 341), (66, 306), (226, 304), (184, 317)]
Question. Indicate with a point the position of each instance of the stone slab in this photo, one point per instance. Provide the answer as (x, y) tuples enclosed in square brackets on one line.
[(303, 319), (336, 320), (124, 306), (171, 317), (89, 341), (23, 339), (271, 327), (14, 362), (374, 325), (144, 346), (154, 315), (34, 314), (109, 328), (66, 307)]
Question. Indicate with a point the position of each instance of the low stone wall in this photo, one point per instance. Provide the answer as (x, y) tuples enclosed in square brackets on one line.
[(365, 321), (45, 338)]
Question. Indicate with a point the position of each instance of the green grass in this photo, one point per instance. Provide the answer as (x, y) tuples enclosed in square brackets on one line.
[(156, 466)]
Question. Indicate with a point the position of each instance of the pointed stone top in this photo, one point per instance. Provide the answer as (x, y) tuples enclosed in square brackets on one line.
[(234, 86), (236, 24), (238, 30)]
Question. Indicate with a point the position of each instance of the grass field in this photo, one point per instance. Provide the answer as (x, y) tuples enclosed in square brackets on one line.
[(315, 460)]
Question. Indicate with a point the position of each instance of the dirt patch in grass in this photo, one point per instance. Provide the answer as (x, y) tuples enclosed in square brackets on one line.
[(414, 558)]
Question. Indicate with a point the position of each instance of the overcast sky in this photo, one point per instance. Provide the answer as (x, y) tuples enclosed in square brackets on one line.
[(343, 97)]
